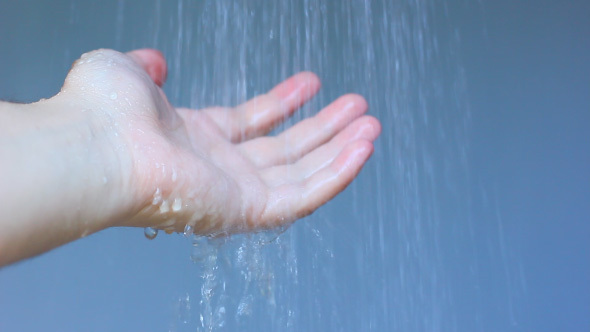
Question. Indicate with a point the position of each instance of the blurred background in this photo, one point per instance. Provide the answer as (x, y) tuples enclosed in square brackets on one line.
[(472, 215)]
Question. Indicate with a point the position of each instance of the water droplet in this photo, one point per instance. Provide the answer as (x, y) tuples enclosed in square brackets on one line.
[(113, 96), (150, 233), (177, 205), (157, 197), (188, 230), (164, 207)]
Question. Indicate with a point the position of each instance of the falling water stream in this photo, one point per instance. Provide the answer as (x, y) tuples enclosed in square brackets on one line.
[(404, 248), (381, 257), (392, 252)]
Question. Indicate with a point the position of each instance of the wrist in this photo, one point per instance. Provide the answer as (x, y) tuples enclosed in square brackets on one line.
[(61, 177), (100, 161)]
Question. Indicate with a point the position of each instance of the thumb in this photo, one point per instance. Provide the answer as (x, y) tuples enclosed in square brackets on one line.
[(153, 62)]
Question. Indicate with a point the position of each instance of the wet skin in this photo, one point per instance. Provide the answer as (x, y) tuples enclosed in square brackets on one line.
[(116, 153)]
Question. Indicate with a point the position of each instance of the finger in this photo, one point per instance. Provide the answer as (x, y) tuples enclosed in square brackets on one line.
[(261, 114), (293, 201), (365, 128), (153, 62), (306, 135)]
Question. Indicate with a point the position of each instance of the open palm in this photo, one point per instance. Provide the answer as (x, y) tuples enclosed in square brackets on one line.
[(213, 169)]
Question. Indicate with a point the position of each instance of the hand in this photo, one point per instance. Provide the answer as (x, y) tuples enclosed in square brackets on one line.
[(214, 169), (109, 150)]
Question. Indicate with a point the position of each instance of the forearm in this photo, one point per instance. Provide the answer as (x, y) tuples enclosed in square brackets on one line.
[(56, 180)]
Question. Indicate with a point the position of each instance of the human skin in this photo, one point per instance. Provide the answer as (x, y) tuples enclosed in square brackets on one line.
[(109, 150)]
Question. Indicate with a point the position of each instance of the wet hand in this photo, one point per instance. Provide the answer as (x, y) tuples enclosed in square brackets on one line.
[(214, 169)]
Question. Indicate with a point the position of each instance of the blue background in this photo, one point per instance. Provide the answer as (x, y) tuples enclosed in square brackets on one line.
[(510, 247)]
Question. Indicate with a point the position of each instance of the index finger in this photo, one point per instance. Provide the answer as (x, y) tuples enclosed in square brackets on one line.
[(261, 114)]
